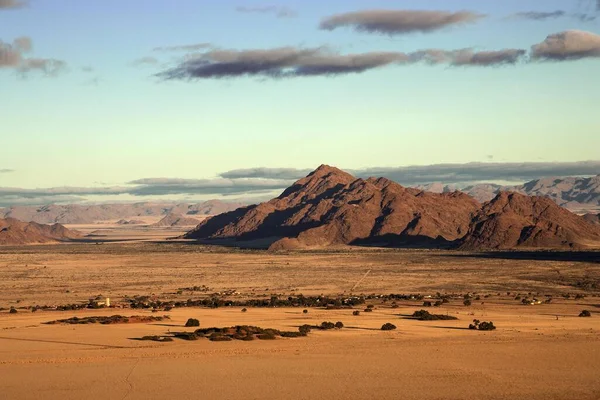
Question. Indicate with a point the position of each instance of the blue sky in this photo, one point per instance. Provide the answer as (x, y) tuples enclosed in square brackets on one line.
[(117, 121)]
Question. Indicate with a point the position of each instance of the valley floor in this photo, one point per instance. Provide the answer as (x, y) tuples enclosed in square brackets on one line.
[(543, 351)]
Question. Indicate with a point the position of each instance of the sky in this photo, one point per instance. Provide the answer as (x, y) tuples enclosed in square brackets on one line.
[(135, 100)]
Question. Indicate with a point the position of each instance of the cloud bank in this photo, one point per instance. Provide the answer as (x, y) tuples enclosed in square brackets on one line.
[(269, 181), (447, 173)]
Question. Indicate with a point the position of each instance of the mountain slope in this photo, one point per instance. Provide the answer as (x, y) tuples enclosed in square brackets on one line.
[(513, 220), (15, 232), (330, 207)]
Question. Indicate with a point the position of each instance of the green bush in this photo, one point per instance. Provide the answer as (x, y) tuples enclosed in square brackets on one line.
[(339, 325)]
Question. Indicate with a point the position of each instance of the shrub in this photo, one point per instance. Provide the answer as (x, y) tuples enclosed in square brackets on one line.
[(217, 337), (437, 303), (370, 306), (355, 312), (368, 310), (266, 336), (244, 309), (13, 310), (186, 335), (482, 325), (426, 304), (585, 313), (467, 302), (339, 325), (304, 329), (305, 311), (192, 322), (327, 325), (486, 326), (424, 315), (388, 327), (291, 334)]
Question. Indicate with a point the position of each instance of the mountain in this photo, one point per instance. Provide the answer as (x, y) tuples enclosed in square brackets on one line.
[(88, 214), (574, 193), (331, 207), (15, 232), (172, 220), (513, 220)]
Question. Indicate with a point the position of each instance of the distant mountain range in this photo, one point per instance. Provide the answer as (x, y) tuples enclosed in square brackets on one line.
[(574, 193), (88, 214), (331, 207)]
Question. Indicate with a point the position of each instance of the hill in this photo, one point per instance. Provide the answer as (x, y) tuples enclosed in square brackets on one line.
[(15, 232), (88, 214), (513, 220), (172, 220), (331, 207)]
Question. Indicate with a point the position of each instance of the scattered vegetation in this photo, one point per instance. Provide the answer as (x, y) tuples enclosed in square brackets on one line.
[(355, 312), (113, 319), (467, 302), (339, 325), (13, 310)]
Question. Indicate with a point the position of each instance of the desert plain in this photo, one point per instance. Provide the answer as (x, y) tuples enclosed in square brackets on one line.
[(539, 351)]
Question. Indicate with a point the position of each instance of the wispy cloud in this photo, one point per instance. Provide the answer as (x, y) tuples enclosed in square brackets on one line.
[(144, 61), (397, 22), (6, 170), (11, 4), (546, 15), (12, 55), (266, 173), (278, 11), (186, 47), (290, 62)]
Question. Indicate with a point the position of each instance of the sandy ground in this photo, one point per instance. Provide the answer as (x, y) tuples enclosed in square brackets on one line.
[(538, 352), (531, 355)]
